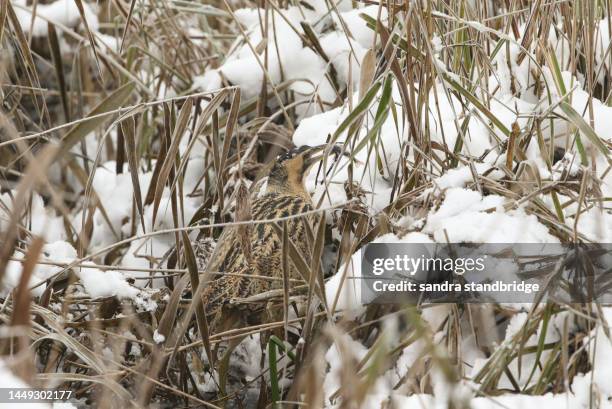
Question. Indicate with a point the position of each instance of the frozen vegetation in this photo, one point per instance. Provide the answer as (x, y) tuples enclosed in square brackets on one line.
[(467, 122)]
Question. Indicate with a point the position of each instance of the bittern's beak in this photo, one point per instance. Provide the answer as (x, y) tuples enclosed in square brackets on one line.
[(317, 153)]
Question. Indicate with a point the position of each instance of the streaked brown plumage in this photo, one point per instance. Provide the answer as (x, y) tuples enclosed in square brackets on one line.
[(285, 196)]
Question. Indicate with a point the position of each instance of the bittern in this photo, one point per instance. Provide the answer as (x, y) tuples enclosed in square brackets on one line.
[(285, 196)]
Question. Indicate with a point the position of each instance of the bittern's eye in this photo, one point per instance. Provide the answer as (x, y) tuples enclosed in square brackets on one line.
[(292, 153)]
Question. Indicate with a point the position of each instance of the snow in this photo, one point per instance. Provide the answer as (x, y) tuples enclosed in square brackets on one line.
[(466, 216), (102, 284), (211, 80), (158, 338), (357, 26), (345, 285), (595, 224), (111, 221), (569, 166), (314, 130), (11, 381), (98, 283), (600, 348), (42, 221), (602, 43), (345, 54), (460, 176), (463, 216), (527, 361), (508, 401), (345, 353), (247, 356), (115, 192), (59, 252), (111, 42), (64, 12), (288, 60), (458, 211), (346, 288)]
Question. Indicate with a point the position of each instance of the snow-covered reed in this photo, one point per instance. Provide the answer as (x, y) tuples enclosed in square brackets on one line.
[(125, 125)]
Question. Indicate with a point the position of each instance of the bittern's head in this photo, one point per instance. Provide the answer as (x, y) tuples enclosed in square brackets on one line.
[(290, 168)]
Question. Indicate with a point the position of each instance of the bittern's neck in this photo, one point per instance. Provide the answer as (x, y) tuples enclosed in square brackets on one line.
[(287, 186)]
